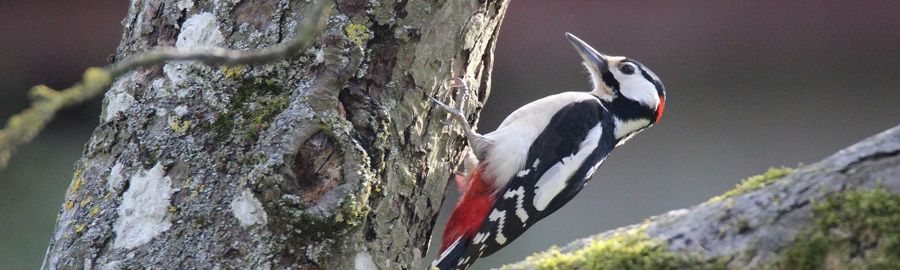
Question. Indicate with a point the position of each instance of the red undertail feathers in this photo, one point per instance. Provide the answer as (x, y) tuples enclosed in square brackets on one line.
[(474, 205)]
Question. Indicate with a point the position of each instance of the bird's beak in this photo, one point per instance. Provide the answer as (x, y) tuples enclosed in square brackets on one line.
[(590, 55)]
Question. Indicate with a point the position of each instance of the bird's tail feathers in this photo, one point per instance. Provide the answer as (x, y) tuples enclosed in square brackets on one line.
[(449, 258)]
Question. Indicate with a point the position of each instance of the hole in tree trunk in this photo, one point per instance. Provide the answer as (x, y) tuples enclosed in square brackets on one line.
[(317, 167)]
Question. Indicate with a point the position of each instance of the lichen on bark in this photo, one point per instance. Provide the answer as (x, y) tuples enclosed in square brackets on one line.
[(337, 146)]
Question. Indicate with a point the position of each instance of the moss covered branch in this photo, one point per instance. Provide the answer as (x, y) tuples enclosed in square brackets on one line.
[(840, 213), (24, 126)]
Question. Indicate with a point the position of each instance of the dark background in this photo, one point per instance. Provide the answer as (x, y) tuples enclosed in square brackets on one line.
[(751, 85)]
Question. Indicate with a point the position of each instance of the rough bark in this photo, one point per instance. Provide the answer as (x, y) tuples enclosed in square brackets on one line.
[(840, 213), (333, 159)]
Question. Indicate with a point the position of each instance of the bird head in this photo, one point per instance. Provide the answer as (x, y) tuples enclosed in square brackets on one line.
[(623, 81)]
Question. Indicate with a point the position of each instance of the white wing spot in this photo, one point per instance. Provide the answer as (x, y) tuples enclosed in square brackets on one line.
[(480, 237), (526, 171), (500, 217), (520, 200), (523, 172), (555, 179)]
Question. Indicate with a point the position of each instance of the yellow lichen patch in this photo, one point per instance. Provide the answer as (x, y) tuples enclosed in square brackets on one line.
[(69, 205), (75, 183), (231, 72), (79, 228), (85, 201), (179, 126), (94, 212), (173, 209), (358, 33)]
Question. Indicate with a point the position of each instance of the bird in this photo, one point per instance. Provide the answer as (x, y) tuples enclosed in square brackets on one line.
[(544, 153)]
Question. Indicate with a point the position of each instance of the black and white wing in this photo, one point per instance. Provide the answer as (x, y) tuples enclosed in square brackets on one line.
[(559, 163)]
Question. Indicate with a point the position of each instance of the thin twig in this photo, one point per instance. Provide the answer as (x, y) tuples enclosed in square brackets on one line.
[(22, 127)]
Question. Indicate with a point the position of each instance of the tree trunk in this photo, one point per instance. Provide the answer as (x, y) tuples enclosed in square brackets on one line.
[(840, 213), (333, 159)]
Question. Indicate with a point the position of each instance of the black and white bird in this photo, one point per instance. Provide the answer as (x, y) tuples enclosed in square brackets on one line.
[(544, 153)]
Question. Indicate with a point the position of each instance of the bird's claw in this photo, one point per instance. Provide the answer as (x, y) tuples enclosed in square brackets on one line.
[(454, 113), (476, 149)]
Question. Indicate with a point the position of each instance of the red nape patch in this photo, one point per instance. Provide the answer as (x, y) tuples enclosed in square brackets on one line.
[(659, 109), (471, 210)]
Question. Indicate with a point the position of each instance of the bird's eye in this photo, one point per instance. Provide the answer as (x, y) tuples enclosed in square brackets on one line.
[(627, 68)]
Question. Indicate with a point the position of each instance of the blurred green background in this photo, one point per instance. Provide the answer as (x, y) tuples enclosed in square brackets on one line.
[(751, 85)]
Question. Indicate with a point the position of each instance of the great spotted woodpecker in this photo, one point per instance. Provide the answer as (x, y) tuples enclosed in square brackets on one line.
[(544, 153)]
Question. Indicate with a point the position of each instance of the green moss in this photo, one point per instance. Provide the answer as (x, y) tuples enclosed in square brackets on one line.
[(201, 222), (755, 182), (312, 227), (253, 106), (260, 119), (223, 125), (353, 213), (632, 249), (854, 230), (348, 216)]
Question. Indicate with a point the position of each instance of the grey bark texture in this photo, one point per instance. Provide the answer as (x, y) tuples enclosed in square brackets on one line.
[(804, 220), (332, 159)]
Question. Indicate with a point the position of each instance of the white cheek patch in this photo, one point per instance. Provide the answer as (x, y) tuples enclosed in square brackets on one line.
[(555, 179), (636, 87)]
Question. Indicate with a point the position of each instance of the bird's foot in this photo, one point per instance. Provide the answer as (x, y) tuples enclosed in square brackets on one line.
[(461, 97), (475, 140)]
